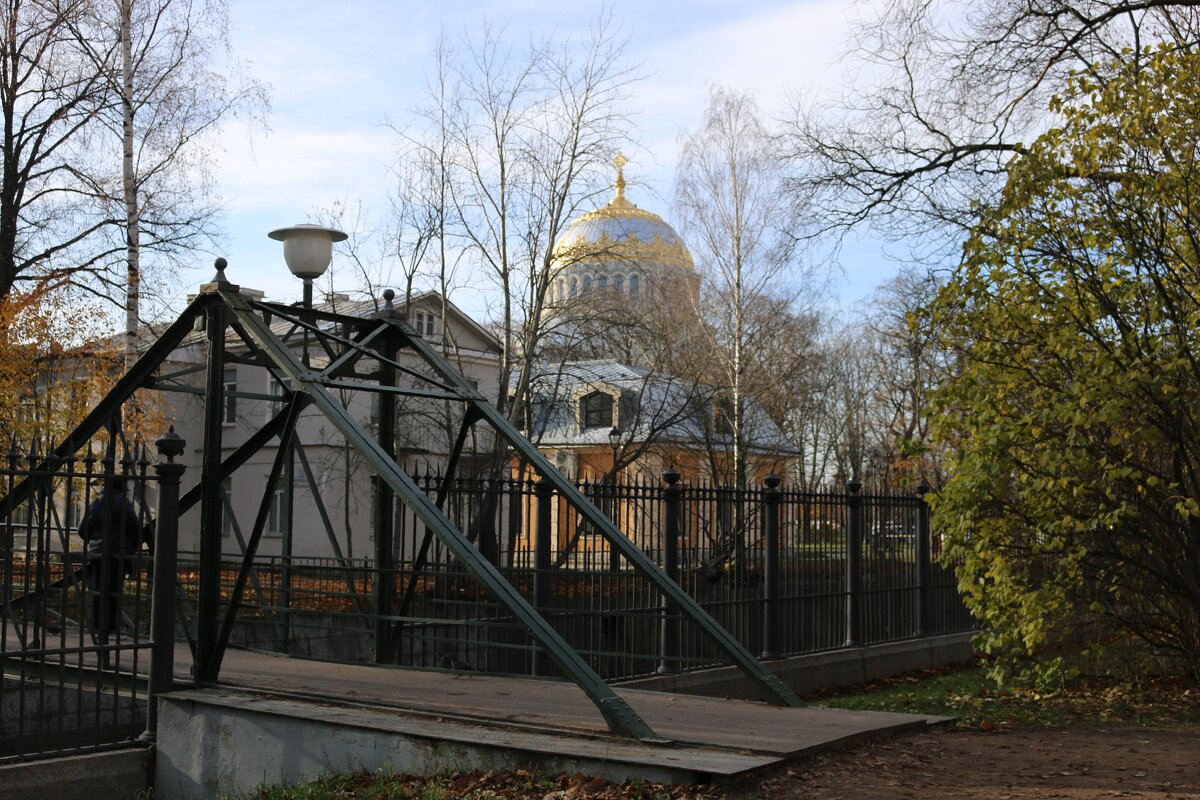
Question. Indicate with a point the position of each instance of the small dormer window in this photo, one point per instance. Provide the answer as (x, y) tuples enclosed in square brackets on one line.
[(596, 410), (425, 323)]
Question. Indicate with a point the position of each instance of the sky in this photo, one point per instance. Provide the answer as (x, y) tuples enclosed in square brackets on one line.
[(339, 73)]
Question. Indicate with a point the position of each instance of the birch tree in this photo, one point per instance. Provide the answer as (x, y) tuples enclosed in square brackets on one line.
[(168, 98), (730, 200)]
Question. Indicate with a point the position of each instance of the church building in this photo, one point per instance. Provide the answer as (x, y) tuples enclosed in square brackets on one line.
[(622, 386)]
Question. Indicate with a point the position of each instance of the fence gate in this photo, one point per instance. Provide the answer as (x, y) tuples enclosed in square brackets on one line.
[(74, 621)]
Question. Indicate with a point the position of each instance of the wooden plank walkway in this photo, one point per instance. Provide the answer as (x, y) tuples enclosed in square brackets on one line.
[(708, 738), (757, 733)]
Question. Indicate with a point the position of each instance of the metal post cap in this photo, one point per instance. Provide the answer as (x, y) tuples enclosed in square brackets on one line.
[(171, 444)]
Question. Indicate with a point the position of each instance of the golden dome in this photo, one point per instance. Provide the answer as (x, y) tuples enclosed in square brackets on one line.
[(622, 232)]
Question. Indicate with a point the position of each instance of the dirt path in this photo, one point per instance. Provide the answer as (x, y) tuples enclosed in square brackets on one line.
[(1009, 765)]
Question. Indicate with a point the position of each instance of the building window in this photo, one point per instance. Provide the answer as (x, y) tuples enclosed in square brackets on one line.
[(227, 507), (275, 514), (574, 287), (587, 284), (426, 323), (596, 410), (618, 283), (275, 404), (633, 285), (75, 513), (602, 283), (230, 415)]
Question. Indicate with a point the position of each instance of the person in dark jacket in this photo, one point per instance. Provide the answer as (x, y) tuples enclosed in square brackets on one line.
[(112, 534)]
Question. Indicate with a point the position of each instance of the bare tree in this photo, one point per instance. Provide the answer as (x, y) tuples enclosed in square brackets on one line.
[(906, 363), (949, 91), (519, 148), (730, 197), (49, 100), (165, 96)]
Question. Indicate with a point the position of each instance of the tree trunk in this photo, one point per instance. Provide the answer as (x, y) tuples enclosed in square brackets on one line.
[(129, 184)]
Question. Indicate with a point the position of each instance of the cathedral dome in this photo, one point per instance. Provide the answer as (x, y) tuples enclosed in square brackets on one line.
[(622, 231), (619, 247)]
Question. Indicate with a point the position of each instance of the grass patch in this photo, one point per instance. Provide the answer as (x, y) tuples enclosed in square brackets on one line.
[(1118, 682)]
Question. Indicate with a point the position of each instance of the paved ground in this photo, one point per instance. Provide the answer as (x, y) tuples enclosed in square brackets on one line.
[(944, 763)]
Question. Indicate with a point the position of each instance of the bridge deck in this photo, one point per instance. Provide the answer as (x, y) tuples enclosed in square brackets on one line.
[(751, 735), (708, 737)]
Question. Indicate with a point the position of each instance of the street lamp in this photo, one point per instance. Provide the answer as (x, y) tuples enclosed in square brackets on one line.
[(307, 250), (614, 555), (614, 441)]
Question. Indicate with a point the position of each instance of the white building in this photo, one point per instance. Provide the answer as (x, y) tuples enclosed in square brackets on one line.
[(332, 492)]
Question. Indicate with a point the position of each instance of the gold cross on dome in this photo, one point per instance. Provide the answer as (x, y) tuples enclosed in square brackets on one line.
[(619, 162)]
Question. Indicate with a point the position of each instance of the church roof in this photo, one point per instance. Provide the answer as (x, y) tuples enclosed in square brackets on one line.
[(666, 407)]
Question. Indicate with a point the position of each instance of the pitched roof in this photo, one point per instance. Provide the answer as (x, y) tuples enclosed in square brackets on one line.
[(669, 408)]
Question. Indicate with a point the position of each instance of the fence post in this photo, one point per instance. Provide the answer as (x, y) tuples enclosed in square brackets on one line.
[(924, 607), (771, 499), (162, 598), (608, 504), (854, 533), (544, 490), (672, 496)]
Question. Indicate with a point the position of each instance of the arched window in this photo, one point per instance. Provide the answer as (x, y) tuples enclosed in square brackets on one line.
[(618, 283), (596, 410), (574, 287), (602, 283), (633, 285), (587, 284)]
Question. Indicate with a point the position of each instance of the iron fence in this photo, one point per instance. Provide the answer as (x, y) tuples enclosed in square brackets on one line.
[(786, 572), (74, 623)]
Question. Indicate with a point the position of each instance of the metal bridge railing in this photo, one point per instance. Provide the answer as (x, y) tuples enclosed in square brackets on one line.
[(87, 638), (785, 572)]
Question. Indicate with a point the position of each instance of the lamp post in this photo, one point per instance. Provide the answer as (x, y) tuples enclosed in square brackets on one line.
[(614, 441), (307, 249)]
